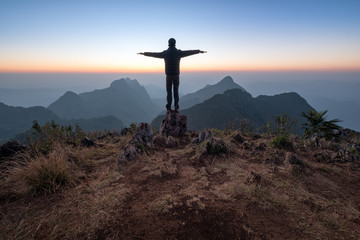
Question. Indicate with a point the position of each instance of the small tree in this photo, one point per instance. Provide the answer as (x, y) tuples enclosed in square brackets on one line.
[(317, 124)]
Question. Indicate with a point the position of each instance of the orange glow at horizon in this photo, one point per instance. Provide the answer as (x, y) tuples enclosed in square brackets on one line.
[(152, 69)]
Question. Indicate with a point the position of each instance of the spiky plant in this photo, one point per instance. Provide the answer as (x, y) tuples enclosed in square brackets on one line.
[(317, 124)]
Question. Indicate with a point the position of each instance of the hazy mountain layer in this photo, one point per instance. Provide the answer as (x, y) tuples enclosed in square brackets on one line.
[(14, 120), (125, 99)]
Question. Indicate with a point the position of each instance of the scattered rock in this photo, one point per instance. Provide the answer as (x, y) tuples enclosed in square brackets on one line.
[(253, 178), (322, 157), (203, 136), (87, 142), (144, 135), (10, 148), (248, 145), (261, 146), (130, 152), (171, 142), (293, 159), (347, 155), (238, 138), (174, 124), (139, 143)]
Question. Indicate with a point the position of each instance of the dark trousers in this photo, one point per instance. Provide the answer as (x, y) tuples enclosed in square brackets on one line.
[(172, 80)]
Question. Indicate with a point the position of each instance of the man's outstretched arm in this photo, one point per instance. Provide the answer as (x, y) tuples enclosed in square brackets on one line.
[(153, 54), (191, 52)]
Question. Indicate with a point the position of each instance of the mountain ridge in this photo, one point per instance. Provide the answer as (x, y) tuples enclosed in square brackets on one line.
[(235, 105)]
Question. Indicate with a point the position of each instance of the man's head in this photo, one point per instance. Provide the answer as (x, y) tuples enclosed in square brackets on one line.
[(172, 42)]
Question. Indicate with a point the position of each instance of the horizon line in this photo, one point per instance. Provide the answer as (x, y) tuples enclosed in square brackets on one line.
[(183, 71)]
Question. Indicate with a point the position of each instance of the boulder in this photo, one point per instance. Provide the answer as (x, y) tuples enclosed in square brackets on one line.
[(144, 135), (174, 124), (171, 142)]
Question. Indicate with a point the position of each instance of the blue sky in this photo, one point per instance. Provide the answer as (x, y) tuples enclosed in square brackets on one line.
[(104, 36)]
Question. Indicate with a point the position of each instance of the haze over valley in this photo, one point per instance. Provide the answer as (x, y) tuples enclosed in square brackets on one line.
[(333, 91)]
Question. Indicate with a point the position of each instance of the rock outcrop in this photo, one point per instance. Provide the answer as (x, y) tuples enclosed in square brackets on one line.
[(203, 136), (141, 141), (174, 124)]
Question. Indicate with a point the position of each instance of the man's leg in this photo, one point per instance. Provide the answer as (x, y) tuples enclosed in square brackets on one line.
[(169, 92), (176, 82)]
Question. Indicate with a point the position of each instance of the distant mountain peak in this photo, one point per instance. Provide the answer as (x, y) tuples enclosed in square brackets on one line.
[(125, 99), (227, 79), (228, 83), (69, 94), (209, 91), (118, 83), (124, 82)]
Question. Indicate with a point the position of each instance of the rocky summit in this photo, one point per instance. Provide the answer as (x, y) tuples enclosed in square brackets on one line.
[(214, 184), (174, 124)]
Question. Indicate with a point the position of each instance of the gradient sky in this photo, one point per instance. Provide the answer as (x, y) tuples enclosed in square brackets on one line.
[(104, 36)]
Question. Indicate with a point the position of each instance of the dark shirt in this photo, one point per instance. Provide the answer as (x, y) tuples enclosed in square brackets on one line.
[(172, 58)]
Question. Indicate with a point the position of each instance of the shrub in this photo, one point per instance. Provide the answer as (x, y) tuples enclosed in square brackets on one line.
[(47, 136), (281, 141), (216, 146)]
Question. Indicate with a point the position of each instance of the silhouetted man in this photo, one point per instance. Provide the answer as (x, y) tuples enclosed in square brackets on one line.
[(172, 58)]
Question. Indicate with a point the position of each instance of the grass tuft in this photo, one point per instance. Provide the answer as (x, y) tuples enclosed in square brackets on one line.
[(45, 174)]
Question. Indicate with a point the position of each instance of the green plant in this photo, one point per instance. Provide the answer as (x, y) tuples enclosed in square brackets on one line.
[(244, 126), (281, 141), (284, 125), (140, 146), (317, 124), (132, 127), (267, 129), (47, 136), (216, 148)]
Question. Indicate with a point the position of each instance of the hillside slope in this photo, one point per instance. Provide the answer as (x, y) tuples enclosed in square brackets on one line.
[(254, 191), (209, 91)]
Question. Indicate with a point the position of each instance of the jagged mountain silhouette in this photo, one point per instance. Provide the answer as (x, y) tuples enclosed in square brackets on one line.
[(208, 91)]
